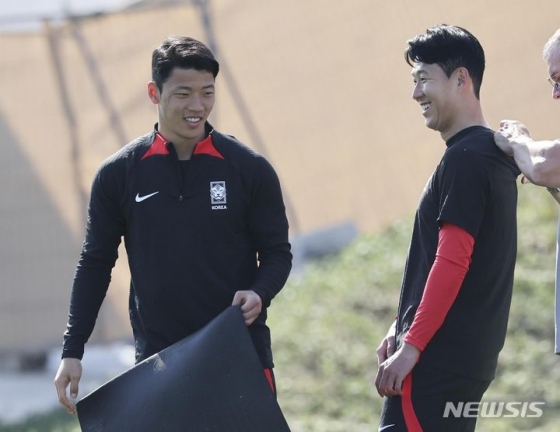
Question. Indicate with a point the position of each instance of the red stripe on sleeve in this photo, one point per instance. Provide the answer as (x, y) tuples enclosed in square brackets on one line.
[(453, 258)]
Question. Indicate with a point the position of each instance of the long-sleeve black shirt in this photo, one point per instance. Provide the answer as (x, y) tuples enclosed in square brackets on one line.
[(195, 232)]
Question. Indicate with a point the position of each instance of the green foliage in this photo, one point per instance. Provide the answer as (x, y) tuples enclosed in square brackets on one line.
[(328, 322)]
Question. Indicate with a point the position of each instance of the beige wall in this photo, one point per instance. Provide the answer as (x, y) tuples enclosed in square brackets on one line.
[(325, 83)]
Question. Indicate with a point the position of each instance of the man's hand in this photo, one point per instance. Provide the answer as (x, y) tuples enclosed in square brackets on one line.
[(251, 305), (393, 371), (510, 133), (69, 372), (387, 346)]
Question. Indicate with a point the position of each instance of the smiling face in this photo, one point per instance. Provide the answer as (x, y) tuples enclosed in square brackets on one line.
[(553, 62), (438, 96), (184, 104)]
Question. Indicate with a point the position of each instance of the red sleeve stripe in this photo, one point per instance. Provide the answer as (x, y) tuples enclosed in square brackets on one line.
[(453, 258)]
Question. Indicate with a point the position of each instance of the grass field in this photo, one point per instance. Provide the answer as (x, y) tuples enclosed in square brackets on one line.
[(328, 322)]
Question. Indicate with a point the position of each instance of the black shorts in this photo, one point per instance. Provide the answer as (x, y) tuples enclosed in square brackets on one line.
[(421, 407)]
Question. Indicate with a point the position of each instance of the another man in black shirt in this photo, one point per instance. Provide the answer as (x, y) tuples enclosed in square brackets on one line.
[(457, 286)]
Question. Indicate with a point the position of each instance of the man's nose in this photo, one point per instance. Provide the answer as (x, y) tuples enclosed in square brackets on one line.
[(417, 92), (195, 103)]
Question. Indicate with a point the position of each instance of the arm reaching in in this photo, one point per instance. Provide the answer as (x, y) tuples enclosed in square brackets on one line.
[(539, 161)]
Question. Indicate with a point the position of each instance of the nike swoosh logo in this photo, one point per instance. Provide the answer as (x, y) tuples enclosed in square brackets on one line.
[(385, 427), (145, 197)]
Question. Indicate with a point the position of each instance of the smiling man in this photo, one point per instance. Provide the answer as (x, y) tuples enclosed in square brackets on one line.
[(456, 290), (202, 217)]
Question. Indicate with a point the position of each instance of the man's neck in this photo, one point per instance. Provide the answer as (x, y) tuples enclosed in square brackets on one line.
[(471, 116)]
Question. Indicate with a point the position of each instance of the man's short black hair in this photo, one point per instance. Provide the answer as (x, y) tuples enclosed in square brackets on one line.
[(181, 52), (450, 47)]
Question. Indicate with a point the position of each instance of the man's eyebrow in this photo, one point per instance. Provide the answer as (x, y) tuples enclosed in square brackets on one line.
[(417, 72), (184, 87), (554, 76)]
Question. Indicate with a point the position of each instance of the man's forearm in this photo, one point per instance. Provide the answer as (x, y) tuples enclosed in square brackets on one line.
[(539, 161)]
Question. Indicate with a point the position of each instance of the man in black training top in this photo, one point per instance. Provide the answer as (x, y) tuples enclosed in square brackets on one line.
[(202, 217), (456, 291)]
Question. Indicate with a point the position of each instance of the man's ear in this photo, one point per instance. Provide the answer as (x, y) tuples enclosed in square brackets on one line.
[(462, 76), (153, 92)]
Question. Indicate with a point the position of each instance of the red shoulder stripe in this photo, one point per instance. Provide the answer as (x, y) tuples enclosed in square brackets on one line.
[(206, 146), (158, 147)]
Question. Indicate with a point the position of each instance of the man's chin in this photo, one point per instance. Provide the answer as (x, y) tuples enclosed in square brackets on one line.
[(430, 125)]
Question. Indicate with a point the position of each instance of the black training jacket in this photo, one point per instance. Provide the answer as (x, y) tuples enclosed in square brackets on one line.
[(195, 232)]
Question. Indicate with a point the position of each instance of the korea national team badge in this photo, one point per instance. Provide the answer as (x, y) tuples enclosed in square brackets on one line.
[(218, 195)]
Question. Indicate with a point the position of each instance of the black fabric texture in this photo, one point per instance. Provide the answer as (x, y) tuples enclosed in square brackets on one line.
[(210, 381)]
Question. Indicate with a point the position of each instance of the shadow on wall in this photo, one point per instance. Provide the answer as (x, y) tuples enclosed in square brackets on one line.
[(37, 260)]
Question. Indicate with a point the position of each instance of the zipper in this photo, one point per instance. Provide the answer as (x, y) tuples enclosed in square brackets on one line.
[(178, 171)]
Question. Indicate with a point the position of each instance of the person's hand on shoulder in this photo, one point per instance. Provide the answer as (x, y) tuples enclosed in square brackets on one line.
[(69, 373), (511, 132), (251, 305)]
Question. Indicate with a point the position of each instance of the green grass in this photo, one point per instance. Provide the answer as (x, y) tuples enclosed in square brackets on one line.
[(328, 322)]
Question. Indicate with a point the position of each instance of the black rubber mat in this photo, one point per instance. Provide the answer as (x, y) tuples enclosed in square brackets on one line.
[(211, 381)]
